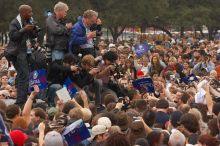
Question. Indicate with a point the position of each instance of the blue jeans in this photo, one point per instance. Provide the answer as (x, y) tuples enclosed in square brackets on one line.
[(57, 55)]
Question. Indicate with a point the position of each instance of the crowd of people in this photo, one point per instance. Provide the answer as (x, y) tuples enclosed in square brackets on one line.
[(182, 110)]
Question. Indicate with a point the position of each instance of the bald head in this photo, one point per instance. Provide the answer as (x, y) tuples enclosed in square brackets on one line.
[(25, 11), (23, 8)]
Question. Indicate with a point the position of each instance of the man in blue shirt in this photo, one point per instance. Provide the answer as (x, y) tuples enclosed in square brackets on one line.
[(81, 39)]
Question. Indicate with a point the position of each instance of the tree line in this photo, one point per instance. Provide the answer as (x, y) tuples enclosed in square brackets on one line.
[(120, 14)]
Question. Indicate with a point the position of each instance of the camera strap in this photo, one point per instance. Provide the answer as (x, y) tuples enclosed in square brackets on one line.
[(19, 20)]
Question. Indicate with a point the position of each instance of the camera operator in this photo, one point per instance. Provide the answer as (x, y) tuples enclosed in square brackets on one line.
[(107, 69), (110, 73), (58, 31), (59, 71), (83, 32), (86, 78), (21, 31)]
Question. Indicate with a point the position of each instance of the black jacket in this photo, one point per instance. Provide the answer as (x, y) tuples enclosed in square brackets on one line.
[(83, 78), (57, 33), (58, 73), (18, 37)]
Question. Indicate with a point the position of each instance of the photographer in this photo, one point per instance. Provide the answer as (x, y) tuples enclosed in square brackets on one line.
[(21, 31), (58, 31), (107, 69), (110, 73), (83, 33), (59, 71), (85, 78)]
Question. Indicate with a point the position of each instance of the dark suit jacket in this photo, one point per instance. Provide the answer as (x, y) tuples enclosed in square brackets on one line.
[(18, 37)]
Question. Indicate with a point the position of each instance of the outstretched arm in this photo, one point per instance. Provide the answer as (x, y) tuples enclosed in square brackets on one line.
[(28, 105)]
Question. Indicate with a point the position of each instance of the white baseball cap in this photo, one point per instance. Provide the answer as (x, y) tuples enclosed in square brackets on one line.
[(105, 121)]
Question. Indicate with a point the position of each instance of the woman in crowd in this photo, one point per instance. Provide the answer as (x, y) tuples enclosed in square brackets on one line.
[(130, 70), (155, 65), (186, 69)]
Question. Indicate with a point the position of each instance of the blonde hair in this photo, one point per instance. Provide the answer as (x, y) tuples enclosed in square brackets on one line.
[(172, 58), (90, 13), (61, 6), (75, 113), (87, 114)]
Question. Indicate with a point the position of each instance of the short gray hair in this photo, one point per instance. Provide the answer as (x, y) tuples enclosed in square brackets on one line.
[(177, 138), (61, 6), (90, 14)]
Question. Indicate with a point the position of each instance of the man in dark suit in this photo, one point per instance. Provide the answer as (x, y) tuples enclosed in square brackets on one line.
[(21, 32)]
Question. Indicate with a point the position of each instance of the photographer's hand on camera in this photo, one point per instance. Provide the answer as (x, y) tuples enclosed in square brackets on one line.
[(91, 35), (99, 22), (29, 27), (74, 68), (94, 71), (111, 67), (69, 25)]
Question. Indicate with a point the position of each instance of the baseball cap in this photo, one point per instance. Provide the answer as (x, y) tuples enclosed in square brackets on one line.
[(53, 138), (18, 137), (105, 121), (98, 129)]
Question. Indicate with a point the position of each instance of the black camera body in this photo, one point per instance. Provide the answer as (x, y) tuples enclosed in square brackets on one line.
[(36, 29), (126, 103), (117, 73), (97, 29)]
